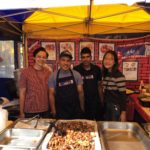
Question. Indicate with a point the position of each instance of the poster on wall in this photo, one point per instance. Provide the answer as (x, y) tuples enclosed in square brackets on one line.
[(147, 50), (51, 49), (103, 48), (131, 50), (70, 46), (130, 70), (90, 45)]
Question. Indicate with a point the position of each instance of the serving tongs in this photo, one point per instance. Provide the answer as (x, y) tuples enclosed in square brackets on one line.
[(146, 127), (37, 117), (37, 121), (53, 125)]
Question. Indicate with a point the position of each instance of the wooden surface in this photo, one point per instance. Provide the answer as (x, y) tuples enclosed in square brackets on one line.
[(143, 111)]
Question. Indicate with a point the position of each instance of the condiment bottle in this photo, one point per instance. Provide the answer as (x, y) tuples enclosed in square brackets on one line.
[(141, 86)]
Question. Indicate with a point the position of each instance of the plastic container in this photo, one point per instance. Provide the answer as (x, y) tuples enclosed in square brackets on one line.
[(3, 118)]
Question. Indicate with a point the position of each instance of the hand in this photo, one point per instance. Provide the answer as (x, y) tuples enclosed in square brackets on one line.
[(82, 109), (53, 113), (123, 116), (22, 115)]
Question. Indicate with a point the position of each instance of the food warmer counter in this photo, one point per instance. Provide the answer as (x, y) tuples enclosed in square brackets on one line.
[(50, 134), (123, 136)]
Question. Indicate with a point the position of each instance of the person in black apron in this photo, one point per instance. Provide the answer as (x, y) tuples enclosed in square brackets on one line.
[(66, 100), (91, 75)]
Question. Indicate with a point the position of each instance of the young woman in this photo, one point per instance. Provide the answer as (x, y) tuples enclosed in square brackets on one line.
[(114, 88)]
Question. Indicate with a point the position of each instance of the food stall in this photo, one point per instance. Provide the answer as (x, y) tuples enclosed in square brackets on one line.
[(51, 134)]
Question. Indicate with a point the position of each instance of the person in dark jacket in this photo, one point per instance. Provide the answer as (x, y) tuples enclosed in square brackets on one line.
[(114, 86), (91, 75)]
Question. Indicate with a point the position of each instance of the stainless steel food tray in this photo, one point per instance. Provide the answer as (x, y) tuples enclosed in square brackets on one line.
[(21, 139), (43, 124), (123, 136), (50, 134)]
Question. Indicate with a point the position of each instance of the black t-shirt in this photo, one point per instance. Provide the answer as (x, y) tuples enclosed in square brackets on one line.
[(94, 68), (90, 78)]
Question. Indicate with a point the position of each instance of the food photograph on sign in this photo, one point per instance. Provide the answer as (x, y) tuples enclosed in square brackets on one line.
[(103, 48), (51, 49), (70, 46)]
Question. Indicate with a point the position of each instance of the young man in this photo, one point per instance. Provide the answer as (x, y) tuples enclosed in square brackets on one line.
[(34, 87), (91, 75), (66, 90)]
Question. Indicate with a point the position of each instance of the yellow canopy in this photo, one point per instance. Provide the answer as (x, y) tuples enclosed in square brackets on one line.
[(81, 21)]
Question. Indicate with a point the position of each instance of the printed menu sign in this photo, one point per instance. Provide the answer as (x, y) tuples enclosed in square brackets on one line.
[(130, 70)]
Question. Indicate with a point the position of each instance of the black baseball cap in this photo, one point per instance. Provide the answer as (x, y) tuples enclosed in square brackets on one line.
[(65, 53)]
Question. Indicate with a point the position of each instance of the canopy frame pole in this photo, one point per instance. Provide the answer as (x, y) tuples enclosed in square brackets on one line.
[(16, 14), (25, 50), (115, 14), (59, 28), (12, 25), (125, 27), (10, 31), (63, 26), (89, 19), (9, 22), (58, 14)]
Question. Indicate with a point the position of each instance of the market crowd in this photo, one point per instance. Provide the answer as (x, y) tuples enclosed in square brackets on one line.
[(84, 92)]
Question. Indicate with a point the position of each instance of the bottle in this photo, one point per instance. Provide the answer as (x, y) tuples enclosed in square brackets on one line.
[(3, 118), (141, 88)]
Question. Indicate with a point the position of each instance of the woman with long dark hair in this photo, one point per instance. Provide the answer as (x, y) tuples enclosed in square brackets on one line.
[(114, 88)]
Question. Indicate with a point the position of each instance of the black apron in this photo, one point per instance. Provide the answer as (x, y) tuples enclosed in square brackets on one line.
[(67, 98), (92, 100)]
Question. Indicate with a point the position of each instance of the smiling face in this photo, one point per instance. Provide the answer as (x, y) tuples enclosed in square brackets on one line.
[(40, 59), (65, 63), (108, 61)]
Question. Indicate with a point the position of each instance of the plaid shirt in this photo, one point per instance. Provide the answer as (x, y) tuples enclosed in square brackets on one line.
[(36, 84)]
